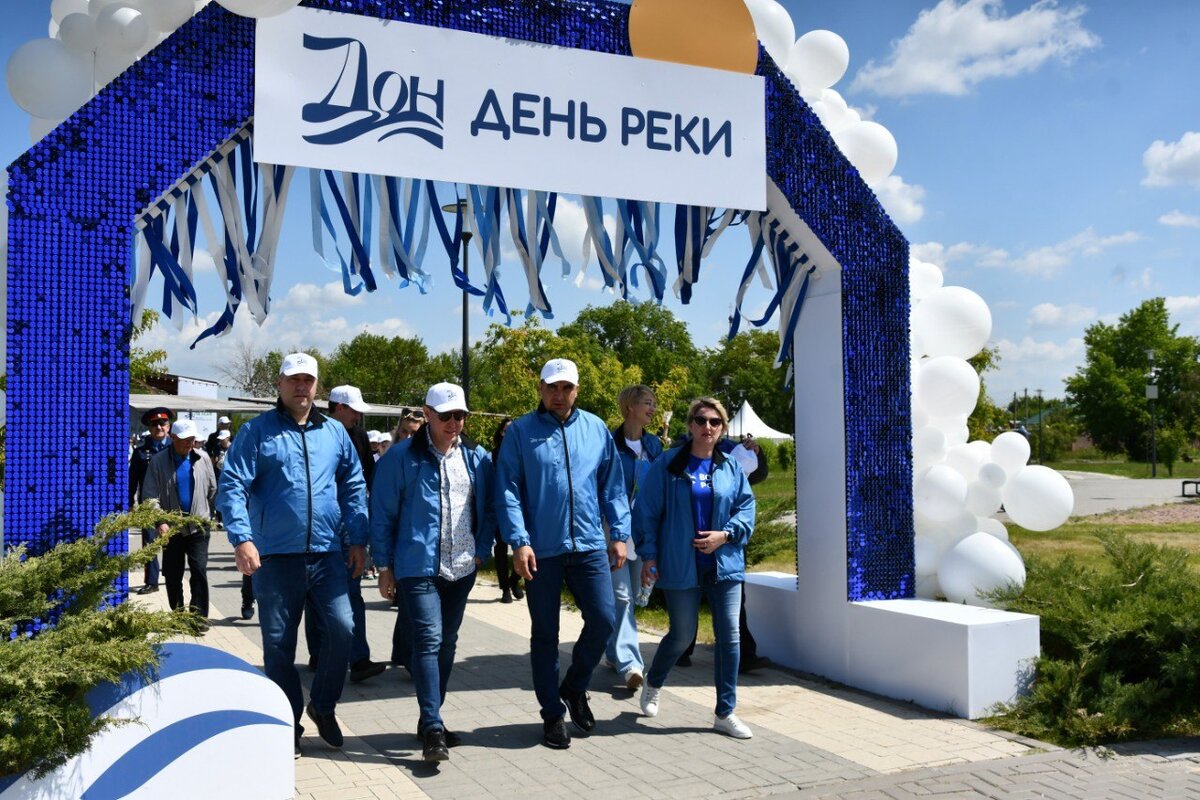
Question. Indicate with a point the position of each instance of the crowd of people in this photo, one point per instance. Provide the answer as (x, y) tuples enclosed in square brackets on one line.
[(309, 500)]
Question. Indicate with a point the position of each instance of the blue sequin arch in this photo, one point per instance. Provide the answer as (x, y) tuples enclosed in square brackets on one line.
[(73, 199)]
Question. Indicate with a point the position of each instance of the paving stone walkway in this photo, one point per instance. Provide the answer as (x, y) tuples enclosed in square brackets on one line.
[(811, 738)]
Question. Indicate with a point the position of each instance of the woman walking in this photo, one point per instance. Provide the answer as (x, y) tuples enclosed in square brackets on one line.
[(694, 515), (509, 580)]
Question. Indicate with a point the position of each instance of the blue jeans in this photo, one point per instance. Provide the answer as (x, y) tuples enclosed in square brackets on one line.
[(683, 611), (359, 649), (587, 576), (150, 571), (281, 586), (434, 607), (622, 648)]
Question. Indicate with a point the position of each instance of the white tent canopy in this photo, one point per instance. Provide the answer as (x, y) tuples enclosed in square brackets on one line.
[(747, 421)]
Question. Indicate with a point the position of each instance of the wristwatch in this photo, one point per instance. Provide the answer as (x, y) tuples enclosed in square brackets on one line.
[(383, 569), (728, 537)]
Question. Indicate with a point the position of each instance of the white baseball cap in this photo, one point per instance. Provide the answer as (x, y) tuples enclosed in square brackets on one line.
[(443, 397), (223, 435), (349, 396), (561, 369), (298, 363), (224, 421), (373, 436), (183, 429)]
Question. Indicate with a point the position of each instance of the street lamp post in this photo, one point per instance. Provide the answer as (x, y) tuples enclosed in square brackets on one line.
[(461, 208), (1151, 396), (725, 381), (1041, 424)]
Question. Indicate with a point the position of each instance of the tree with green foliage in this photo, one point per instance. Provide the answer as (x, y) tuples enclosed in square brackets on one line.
[(392, 371), (748, 360), (1108, 392), (45, 678), (144, 363), (988, 420), (644, 334)]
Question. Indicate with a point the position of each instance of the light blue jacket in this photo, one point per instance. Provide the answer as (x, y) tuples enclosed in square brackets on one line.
[(291, 489), (664, 523), (406, 506), (552, 480), (651, 446)]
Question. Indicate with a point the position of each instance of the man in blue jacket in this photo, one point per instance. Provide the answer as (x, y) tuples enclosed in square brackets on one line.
[(291, 481), (558, 468)]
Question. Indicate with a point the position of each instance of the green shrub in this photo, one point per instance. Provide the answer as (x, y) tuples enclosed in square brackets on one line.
[(45, 679), (1120, 647), (785, 455)]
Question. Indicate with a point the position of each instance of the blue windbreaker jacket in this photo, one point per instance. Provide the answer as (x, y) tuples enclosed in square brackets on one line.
[(553, 478), (651, 445), (406, 506), (291, 490), (664, 523)]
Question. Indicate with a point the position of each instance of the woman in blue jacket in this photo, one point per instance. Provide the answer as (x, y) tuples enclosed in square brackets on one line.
[(430, 529), (694, 515)]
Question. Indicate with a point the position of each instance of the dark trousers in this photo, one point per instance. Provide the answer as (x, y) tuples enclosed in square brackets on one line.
[(749, 647), (194, 548), (247, 591), (359, 649)]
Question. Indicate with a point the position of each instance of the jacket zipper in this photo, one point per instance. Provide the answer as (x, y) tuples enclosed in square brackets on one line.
[(570, 483), (437, 567), (308, 481)]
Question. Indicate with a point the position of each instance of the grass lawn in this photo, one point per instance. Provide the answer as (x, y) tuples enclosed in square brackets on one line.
[(1078, 537), (1127, 469)]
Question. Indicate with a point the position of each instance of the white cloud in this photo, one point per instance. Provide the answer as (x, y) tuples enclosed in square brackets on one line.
[(1029, 350), (1048, 315), (309, 298), (955, 46), (941, 255), (1050, 260), (902, 201), (1178, 219), (1172, 163)]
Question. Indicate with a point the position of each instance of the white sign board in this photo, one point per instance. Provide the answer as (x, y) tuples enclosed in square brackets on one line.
[(360, 94)]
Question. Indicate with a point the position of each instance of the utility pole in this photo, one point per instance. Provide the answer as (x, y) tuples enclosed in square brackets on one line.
[(1041, 424), (1151, 396)]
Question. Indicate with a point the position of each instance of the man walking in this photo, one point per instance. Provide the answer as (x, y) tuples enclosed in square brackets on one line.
[(291, 482), (558, 468), (181, 478), (158, 422)]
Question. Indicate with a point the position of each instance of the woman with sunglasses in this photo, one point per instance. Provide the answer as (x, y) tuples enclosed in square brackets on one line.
[(694, 515), (430, 529)]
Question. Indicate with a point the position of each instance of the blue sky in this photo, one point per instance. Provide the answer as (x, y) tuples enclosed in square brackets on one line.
[(1049, 161)]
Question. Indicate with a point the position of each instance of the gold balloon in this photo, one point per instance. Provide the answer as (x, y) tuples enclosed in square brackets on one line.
[(703, 33)]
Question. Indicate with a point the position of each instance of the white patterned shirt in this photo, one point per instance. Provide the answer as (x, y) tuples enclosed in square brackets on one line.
[(456, 551)]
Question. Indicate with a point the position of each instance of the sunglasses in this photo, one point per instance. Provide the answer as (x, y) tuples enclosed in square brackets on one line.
[(457, 416), (154, 423), (711, 422)]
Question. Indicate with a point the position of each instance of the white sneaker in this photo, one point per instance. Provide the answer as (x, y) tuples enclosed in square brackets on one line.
[(731, 726), (633, 680), (650, 700)]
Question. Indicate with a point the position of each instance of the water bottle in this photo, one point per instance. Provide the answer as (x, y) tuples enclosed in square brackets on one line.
[(643, 595)]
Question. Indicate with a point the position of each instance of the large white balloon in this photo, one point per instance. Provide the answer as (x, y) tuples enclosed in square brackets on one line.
[(940, 493), (38, 128), (78, 32), (967, 459), (167, 15), (929, 442), (928, 588), (982, 500), (978, 564), (110, 64), (122, 27), (1011, 451), (1038, 498), (871, 148), (953, 321), (270, 8), (923, 278), (47, 80), (993, 474), (61, 9), (993, 527), (820, 59), (926, 555), (772, 23), (946, 386)]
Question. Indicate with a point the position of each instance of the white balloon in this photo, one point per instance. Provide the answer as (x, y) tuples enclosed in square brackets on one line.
[(61, 9), (926, 555), (940, 493), (993, 475), (52, 29), (122, 27), (47, 80), (967, 459), (953, 321), (946, 386), (820, 58), (38, 128), (992, 527), (1038, 498), (110, 64), (978, 564), (929, 442), (919, 418), (1011, 451), (928, 587), (78, 32), (772, 24), (923, 278), (871, 148), (982, 500), (167, 15), (95, 7)]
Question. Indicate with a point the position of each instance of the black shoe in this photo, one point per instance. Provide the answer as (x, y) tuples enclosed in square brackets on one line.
[(327, 727), (517, 590), (577, 707), (506, 597), (148, 589), (248, 612), (555, 735), (435, 748), (751, 664), (453, 740), (298, 753), (299, 733), (365, 668), (683, 661), (203, 625)]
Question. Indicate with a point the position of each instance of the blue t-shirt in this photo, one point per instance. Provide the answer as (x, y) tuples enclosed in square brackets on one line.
[(185, 481), (700, 472)]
